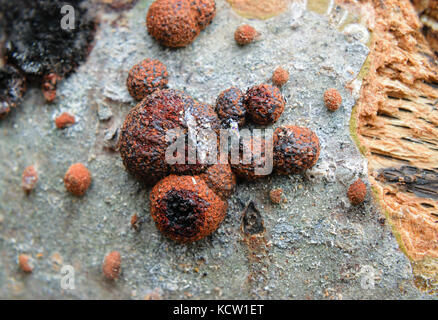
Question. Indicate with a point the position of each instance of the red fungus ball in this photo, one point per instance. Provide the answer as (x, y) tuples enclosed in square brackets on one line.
[(176, 23), (280, 77), (296, 149), (245, 34), (221, 179), (252, 154), (264, 104), (111, 266), (357, 192), (77, 179), (146, 77), (230, 106), (332, 99), (145, 134), (64, 120), (24, 262), (185, 209)]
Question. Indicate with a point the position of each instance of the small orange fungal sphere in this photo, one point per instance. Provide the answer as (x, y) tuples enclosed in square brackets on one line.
[(245, 34), (332, 99), (357, 192), (77, 179), (111, 267), (146, 77), (280, 77)]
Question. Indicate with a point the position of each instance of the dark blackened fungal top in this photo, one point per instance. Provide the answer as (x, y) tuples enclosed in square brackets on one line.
[(37, 44), (185, 209), (296, 149), (12, 88), (264, 103)]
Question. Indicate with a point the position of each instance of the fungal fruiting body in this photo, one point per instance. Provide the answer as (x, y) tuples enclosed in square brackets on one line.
[(230, 106), (64, 120), (176, 23), (357, 192), (185, 209), (24, 263), (111, 267), (276, 195), (256, 150), (29, 179), (264, 103), (245, 34), (12, 89), (77, 179), (146, 77), (296, 149), (332, 99), (221, 179), (147, 134), (280, 77)]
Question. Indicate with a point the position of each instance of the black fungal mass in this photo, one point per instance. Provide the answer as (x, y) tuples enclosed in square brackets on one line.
[(183, 210), (35, 41)]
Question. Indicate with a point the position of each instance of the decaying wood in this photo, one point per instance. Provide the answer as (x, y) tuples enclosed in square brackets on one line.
[(398, 124)]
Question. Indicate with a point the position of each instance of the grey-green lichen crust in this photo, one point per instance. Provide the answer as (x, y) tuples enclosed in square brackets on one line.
[(316, 245)]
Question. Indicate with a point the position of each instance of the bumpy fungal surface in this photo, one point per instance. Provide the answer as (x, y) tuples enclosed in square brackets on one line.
[(185, 209), (332, 99), (77, 179), (176, 23), (280, 77), (37, 44), (257, 154), (146, 77), (264, 103), (12, 89), (143, 140), (221, 179), (296, 149), (357, 192), (245, 34), (230, 106), (204, 11)]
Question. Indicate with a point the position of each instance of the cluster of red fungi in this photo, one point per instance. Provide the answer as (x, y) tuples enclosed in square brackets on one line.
[(189, 201)]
